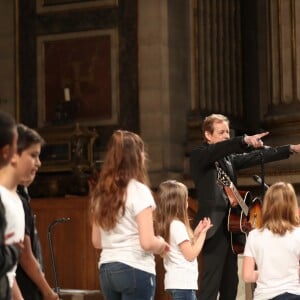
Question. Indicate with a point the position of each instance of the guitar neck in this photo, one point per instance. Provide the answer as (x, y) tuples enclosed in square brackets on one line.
[(224, 179), (239, 199)]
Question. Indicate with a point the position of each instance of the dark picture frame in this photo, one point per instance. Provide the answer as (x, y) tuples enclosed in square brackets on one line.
[(50, 6), (78, 78)]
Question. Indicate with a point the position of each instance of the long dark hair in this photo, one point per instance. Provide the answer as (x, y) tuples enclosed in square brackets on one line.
[(125, 160)]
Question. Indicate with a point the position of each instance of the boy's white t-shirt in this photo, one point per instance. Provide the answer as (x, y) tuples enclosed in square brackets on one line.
[(180, 273), (277, 258), (122, 244), (15, 220)]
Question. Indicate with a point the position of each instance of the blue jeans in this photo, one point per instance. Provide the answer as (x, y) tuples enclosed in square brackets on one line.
[(286, 296), (121, 282), (182, 294)]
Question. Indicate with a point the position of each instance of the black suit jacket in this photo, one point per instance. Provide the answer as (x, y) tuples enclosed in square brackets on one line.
[(232, 155)]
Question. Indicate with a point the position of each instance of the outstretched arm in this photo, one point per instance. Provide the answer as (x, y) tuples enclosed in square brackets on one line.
[(191, 250), (256, 142)]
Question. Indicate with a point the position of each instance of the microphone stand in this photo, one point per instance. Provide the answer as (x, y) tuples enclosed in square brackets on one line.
[(50, 227), (262, 172)]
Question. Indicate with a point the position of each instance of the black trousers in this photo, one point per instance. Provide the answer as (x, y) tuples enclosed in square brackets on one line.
[(219, 272)]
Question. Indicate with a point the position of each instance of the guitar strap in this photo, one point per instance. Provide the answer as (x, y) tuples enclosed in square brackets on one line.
[(219, 174), (226, 166)]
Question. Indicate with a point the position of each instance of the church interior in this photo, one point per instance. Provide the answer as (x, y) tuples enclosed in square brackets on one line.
[(76, 70)]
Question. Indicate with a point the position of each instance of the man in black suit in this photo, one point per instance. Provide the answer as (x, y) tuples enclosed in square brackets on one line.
[(220, 269)]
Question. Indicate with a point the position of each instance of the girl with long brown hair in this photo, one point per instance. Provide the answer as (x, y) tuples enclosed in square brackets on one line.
[(121, 207)]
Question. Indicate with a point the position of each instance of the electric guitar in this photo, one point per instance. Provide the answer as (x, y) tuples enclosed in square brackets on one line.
[(244, 213)]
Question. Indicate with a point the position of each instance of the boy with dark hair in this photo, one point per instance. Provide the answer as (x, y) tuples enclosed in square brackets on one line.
[(29, 275)]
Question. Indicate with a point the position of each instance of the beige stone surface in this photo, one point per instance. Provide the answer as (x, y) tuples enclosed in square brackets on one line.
[(244, 290)]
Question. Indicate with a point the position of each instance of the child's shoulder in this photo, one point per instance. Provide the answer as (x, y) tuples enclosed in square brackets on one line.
[(7, 194), (137, 186), (177, 223), (297, 229), (258, 232)]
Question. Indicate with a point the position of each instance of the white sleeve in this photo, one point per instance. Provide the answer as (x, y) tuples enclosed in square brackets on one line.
[(248, 251), (140, 196), (178, 232)]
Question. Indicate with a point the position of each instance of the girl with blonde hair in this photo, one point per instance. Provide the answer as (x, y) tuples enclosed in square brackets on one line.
[(121, 210), (172, 223), (272, 252)]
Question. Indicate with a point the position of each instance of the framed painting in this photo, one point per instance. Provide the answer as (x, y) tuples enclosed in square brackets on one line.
[(9, 58), (46, 6), (78, 78)]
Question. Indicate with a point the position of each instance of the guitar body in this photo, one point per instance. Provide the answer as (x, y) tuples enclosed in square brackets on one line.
[(238, 242), (244, 213), (255, 215), (239, 224)]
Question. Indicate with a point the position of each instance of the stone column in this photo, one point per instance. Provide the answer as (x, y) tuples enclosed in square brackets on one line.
[(218, 49), (283, 59), (282, 117), (164, 83), (279, 84)]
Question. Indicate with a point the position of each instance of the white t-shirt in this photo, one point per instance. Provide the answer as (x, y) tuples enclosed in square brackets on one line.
[(277, 258), (180, 273), (122, 244), (15, 220)]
